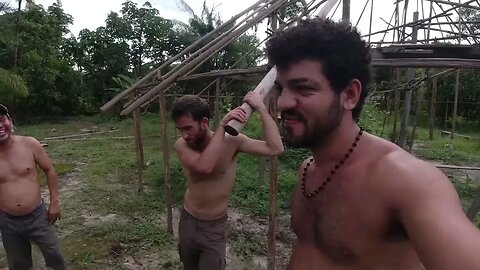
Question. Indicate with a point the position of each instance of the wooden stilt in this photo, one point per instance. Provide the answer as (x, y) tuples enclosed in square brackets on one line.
[(166, 160)]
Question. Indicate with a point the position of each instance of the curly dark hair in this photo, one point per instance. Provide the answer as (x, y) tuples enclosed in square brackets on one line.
[(192, 105), (344, 56)]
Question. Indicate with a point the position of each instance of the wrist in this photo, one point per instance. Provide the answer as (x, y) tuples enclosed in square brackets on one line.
[(54, 199), (262, 110)]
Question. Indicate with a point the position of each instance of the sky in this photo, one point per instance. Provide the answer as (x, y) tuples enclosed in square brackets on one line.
[(92, 13)]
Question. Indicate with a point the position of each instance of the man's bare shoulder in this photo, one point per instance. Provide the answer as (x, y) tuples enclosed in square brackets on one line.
[(26, 140), (400, 175)]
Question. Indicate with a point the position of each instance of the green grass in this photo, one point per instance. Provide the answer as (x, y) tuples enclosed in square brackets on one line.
[(247, 244)]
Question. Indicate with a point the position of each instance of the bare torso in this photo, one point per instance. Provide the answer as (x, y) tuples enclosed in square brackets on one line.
[(19, 187), (207, 196), (349, 225)]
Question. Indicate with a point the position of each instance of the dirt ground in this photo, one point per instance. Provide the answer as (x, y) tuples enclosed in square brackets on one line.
[(240, 224)]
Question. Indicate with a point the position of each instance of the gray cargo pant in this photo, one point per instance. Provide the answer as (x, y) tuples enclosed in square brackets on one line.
[(202, 244), (18, 231)]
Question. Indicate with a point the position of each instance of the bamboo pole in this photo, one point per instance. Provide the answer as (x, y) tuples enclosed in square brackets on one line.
[(445, 123), (218, 88), (433, 102), (273, 177), (408, 93), (396, 105), (79, 135), (370, 22), (127, 92), (346, 11), (455, 104), (208, 53), (166, 160), (138, 149), (474, 207), (415, 121)]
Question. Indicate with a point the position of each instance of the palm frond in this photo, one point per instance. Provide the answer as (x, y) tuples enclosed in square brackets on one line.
[(12, 85), (186, 8)]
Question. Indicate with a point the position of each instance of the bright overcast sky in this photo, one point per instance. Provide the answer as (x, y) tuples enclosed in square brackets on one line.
[(92, 13)]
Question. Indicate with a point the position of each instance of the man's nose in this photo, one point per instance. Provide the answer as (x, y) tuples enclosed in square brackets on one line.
[(286, 100)]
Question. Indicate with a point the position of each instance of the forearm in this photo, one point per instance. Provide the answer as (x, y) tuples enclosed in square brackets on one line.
[(270, 130), (52, 183)]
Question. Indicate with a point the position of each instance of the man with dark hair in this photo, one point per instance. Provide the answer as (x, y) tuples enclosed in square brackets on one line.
[(23, 215), (209, 162), (361, 202)]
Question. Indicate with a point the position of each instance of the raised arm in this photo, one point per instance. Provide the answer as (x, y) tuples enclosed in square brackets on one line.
[(272, 145), (42, 160), (429, 208), (204, 162)]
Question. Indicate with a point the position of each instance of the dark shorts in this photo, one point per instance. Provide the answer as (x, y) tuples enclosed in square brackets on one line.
[(18, 231), (202, 244)]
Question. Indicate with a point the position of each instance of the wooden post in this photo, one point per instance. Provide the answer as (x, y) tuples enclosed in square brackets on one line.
[(474, 207), (139, 148), (396, 105), (166, 160), (272, 220), (273, 192), (446, 115), (408, 94), (455, 104), (415, 121), (262, 161), (346, 11), (433, 102), (218, 89)]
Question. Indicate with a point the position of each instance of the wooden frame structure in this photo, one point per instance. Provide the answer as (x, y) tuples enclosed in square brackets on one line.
[(401, 44)]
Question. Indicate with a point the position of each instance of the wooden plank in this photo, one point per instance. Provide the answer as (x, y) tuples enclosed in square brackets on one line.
[(427, 62), (89, 139), (166, 161), (79, 135), (448, 133), (454, 167)]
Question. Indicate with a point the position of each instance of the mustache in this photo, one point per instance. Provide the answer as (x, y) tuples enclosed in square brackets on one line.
[(292, 114)]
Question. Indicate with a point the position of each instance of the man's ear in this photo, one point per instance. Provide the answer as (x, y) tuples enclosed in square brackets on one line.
[(351, 95), (204, 122)]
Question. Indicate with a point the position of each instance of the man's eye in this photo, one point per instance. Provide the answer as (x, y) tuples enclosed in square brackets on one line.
[(304, 87)]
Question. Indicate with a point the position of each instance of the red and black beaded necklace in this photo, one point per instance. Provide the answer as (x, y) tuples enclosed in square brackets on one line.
[(332, 172)]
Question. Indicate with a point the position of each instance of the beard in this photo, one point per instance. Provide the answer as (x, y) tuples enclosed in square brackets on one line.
[(316, 131), (199, 140)]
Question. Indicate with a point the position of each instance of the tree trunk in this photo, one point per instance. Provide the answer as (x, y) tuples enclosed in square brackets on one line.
[(433, 103), (17, 35)]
